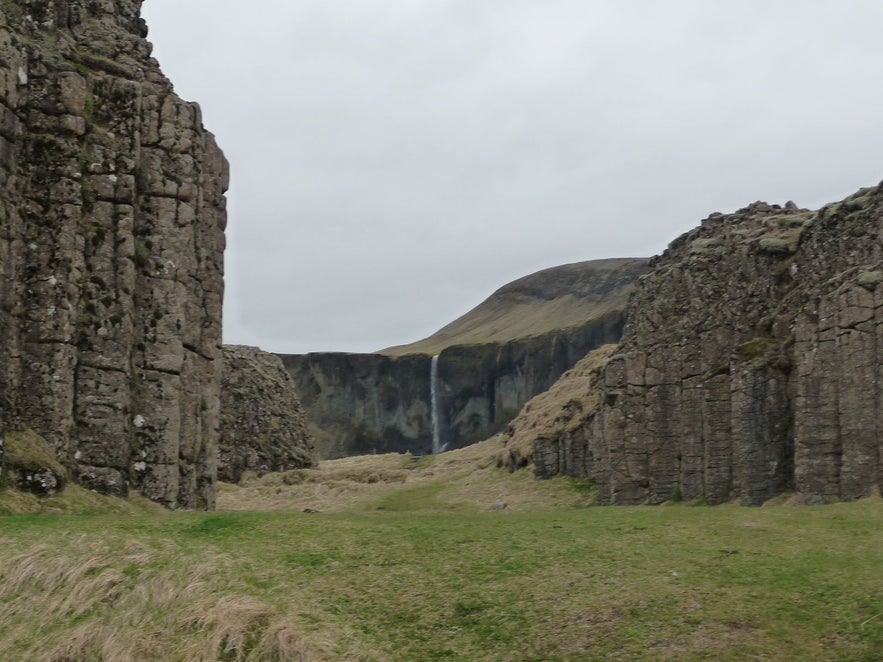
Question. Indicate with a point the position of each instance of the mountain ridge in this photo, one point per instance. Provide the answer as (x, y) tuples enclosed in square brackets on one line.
[(550, 299)]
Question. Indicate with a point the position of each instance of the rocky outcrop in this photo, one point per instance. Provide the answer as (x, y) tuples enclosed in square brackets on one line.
[(482, 387), (112, 222), (491, 361), (547, 430), (262, 422), (750, 364)]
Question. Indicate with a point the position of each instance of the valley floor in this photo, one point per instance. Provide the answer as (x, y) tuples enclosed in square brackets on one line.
[(418, 559), (464, 480)]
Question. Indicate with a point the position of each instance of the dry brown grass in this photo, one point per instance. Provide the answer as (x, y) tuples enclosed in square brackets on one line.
[(240, 627), (74, 500), (466, 479), (502, 321), (134, 602), (561, 408)]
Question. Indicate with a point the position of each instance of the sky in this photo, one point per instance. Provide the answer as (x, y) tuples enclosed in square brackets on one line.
[(393, 162)]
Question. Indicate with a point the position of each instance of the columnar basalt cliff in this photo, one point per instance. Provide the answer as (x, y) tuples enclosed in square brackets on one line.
[(482, 387), (112, 220), (262, 422), (491, 361), (750, 365), (363, 403)]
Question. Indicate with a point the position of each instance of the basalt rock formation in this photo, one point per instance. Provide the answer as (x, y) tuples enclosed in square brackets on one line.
[(750, 365), (262, 421), (112, 220), (491, 361), (358, 404)]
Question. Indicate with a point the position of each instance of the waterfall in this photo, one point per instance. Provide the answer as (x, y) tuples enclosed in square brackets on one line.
[(433, 405)]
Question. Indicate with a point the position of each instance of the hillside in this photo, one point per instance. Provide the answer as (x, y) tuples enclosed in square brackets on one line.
[(548, 300)]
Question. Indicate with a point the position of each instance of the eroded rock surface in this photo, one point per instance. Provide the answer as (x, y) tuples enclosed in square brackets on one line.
[(358, 404), (262, 422), (750, 364), (112, 220)]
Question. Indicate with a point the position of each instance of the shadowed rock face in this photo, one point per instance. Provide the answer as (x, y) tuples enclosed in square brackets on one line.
[(262, 421), (112, 220), (364, 403), (750, 365)]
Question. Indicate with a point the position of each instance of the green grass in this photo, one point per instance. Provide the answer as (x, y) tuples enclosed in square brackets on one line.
[(73, 501), (416, 499), (416, 582)]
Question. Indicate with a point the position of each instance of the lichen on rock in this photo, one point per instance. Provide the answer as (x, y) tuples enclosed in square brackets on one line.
[(112, 220)]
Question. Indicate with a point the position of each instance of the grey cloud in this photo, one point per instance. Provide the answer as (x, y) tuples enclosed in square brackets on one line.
[(394, 162)]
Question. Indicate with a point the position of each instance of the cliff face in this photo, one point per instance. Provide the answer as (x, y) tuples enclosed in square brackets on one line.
[(262, 421), (364, 403), (111, 244), (750, 365), (548, 429), (482, 387), (491, 361)]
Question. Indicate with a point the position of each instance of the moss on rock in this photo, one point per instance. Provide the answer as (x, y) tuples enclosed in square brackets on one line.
[(29, 463)]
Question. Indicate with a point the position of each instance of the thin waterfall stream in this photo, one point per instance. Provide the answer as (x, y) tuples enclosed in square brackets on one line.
[(433, 405)]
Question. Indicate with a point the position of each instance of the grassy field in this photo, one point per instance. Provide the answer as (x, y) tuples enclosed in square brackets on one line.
[(419, 559)]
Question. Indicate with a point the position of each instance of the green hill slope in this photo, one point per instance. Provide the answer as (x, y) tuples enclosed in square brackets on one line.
[(551, 299)]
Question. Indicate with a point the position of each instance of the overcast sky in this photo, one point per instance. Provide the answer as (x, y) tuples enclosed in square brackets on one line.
[(395, 161)]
